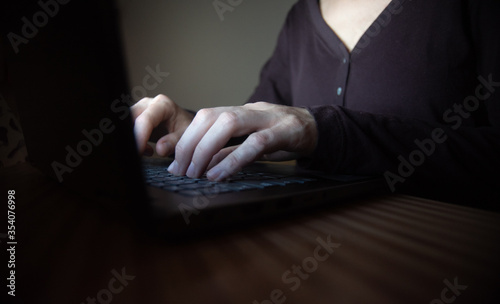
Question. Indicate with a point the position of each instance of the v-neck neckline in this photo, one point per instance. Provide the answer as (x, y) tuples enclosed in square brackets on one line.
[(330, 36)]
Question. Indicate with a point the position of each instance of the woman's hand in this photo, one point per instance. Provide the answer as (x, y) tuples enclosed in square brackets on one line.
[(159, 115), (275, 133)]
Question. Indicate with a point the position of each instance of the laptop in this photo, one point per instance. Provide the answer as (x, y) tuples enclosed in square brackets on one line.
[(72, 97)]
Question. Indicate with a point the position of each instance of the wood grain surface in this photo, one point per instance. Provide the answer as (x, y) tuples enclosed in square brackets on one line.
[(385, 249)]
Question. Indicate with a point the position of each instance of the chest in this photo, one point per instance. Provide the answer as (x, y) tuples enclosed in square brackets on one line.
[(404, 66), (349, 19)]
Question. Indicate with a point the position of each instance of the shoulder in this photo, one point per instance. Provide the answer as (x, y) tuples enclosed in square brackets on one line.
[(301, 12)]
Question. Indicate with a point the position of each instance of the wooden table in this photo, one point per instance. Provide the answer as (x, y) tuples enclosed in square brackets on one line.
[(385, 249)]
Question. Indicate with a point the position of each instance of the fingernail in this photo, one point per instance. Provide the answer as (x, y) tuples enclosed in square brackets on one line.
[(174, 168), (191, 171)]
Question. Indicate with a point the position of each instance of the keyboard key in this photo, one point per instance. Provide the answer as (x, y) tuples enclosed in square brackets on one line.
[(241, 181), (180, 182), (206, 182)]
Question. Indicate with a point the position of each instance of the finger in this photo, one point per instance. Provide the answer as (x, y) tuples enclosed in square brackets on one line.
[(139, 107), (192, 135), (165, 146), (135, 111), (152, 113), (220, 156), (186, 146), (256, 145), (228, 124), (279, 156)]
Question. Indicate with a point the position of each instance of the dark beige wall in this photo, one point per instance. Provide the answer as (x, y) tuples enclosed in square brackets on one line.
[(213, 59)]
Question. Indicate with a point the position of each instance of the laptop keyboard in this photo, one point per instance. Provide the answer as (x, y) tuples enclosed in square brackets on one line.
[(159, 177)]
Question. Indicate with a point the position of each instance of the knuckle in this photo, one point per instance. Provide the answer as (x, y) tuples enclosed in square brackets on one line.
[(161, 100), (162, 96), (204, 115), (143, 100), (167, 101), (156, 100), (293, 122), (205, 112), (135, 111), (261, 104), (250, 105), (260, 140), (229, 119), (257, 105), (143, 119)]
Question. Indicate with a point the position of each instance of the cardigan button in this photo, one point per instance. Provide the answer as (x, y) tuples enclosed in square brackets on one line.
[(339, 91)]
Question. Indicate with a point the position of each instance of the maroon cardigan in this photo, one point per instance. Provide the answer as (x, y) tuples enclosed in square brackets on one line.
[(416, 101)]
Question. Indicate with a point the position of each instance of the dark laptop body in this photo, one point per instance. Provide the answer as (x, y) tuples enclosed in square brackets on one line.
[(72, 96), (214, 210)]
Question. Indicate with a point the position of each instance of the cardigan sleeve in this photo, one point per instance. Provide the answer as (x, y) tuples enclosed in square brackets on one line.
[(450, 163), (449, 160)]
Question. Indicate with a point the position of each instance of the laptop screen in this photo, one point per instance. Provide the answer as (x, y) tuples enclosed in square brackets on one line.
[(69, 82)]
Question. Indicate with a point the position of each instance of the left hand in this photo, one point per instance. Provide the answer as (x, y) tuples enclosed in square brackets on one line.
[(276, 133)]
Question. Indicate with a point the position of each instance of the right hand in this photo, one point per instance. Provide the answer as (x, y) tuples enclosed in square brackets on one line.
[(159, 114)]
